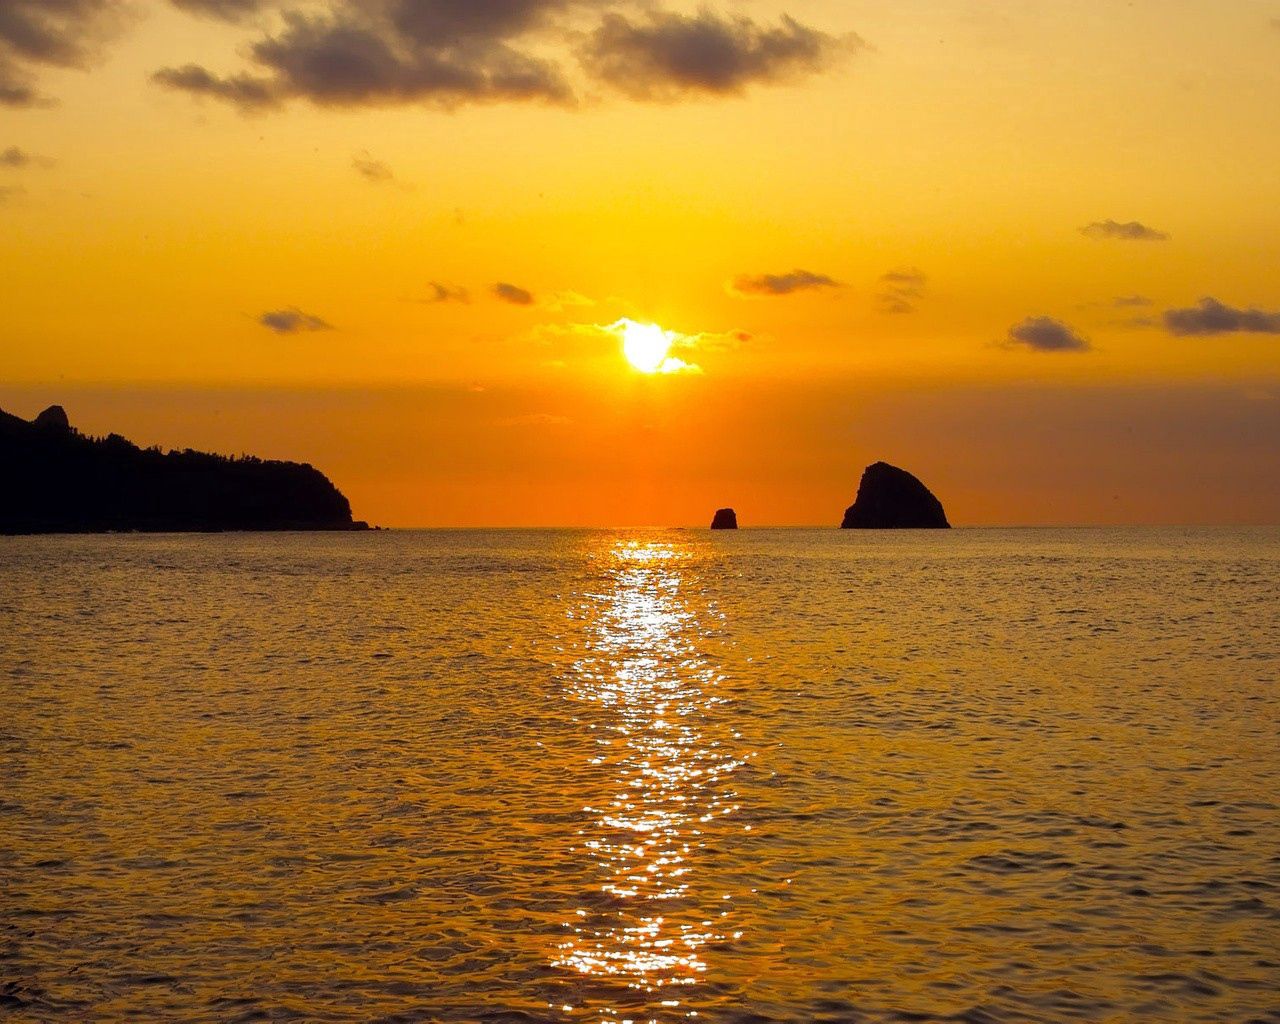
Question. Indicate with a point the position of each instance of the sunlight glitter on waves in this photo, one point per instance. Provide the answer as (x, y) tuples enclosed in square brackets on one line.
[(646, 837)]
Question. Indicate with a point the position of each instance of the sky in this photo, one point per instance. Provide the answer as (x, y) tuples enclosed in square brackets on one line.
[(1029, 251)]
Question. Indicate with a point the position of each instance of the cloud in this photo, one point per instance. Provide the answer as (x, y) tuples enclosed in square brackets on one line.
[(371, 170), (7, 192), (449, 53), (1213, 317), (566, 300), (227, 10), (667, 55), (1120, 302), (1130, 231), (292, 321), (15, 158), (446, 293), (901, 290), (781, 284), (513, 294), (446, 52), (571, 342), (38, 34), (1045, 334), (245, 92), (718, 341)]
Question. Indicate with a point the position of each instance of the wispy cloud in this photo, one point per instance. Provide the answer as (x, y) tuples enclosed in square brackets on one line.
[(565, 300), (439, 292), (371, 170), (901, 290), (15, 157), (781, 284), (244, 91), (513, 294), (1213, 317), (292, 321), (1128, 231)]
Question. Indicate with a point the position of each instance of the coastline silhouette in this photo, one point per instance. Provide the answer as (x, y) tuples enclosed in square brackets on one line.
[(62, 481), (58, 480)]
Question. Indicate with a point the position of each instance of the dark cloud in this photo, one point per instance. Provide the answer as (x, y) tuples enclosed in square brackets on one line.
[(37, 34), (1214, 317), (1045, 334), (514, 294), (781, 284), (446, 52), (454, 22), (901, 290), (448, 293), (1130, 301), (242, 90), (292, 321), (665, 55), (1129, 231), (454, 52), (14, 157)]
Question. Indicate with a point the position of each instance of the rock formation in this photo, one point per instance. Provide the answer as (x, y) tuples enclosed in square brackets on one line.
[(724, 519), (53, 479), (53, 419), (890, 498)]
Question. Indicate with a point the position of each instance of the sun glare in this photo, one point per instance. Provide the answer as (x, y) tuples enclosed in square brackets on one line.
[(646, 346)]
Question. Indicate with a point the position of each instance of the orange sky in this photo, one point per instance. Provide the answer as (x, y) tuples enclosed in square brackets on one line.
[(1028, 251)]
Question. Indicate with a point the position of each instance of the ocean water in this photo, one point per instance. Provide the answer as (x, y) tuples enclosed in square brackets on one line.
[(778, 775)]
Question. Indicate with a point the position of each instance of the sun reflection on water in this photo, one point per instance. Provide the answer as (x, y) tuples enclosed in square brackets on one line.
[(666, 750)]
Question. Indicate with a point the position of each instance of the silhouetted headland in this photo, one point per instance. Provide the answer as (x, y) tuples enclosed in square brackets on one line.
[(724, 519), (890, 498), (56, 480)]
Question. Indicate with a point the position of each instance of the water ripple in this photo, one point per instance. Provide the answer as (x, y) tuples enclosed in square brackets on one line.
[(992, 776)]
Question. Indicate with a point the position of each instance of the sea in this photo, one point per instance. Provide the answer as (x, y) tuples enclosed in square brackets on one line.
[(789, 775)]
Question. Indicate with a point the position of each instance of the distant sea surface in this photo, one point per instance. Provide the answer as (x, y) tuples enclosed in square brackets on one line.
[(777, 775)]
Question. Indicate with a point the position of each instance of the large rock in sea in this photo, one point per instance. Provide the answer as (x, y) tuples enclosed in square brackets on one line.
[(724, 519), (53, 479), (890, 498)]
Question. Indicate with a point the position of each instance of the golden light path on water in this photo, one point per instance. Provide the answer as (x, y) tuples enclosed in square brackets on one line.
[(670, 757)]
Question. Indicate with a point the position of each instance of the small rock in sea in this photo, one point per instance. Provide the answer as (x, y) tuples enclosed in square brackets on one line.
[(724, 519)]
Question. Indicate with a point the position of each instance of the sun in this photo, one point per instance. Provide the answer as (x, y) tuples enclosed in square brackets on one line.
[(647, 347)]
